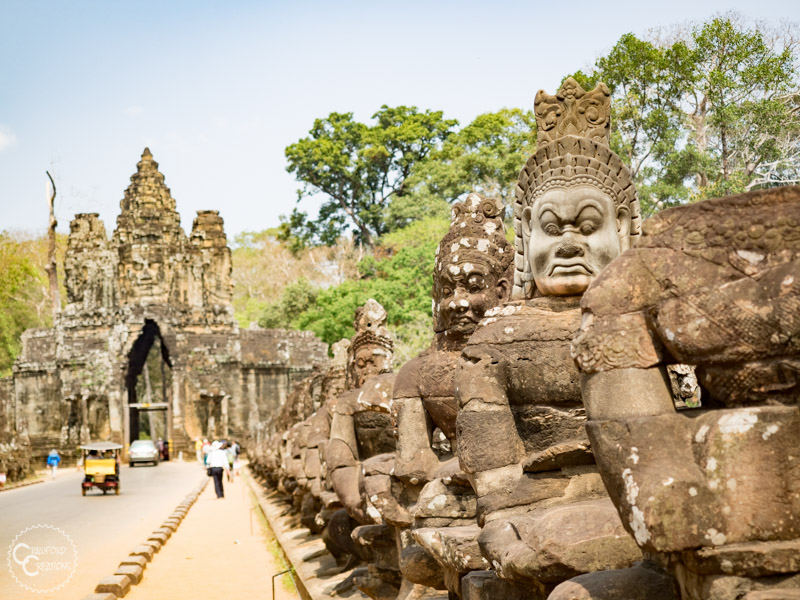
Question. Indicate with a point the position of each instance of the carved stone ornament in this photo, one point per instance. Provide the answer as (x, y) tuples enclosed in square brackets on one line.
[(573, 111), (573, 151)]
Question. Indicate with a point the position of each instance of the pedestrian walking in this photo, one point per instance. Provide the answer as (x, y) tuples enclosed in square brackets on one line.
[(218, 462), (53, 459)]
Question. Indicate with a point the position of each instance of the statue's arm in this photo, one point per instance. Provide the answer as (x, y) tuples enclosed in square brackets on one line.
[(490, 450), (630, 392), (416, 461), (344, 467)]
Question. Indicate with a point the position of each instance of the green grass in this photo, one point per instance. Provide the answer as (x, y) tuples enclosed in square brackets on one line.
[(271, 542)]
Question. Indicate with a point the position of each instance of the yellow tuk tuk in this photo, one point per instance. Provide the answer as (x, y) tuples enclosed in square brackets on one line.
[(101, 467)]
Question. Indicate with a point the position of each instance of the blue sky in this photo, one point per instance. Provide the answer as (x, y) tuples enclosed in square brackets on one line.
[(217, 90)]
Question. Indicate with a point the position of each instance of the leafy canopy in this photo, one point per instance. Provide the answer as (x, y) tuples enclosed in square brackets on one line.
[(712, 111), (399, 276), (24, 292), (359, 168)]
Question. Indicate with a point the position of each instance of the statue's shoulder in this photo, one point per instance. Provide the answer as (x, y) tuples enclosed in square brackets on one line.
[(538, 319), (409, 376), (422, 373), (346, 403)]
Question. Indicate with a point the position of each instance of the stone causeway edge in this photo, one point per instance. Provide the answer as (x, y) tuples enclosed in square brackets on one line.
[(314, 569), (16, 484), (131, 568)]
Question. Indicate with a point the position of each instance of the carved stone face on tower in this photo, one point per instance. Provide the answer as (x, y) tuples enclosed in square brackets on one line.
[(576, 207), (472, 260)]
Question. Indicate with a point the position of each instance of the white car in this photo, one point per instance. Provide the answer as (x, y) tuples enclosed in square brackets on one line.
[(143, 451)]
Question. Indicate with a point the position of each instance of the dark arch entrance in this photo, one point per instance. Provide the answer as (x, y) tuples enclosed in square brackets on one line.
[(148, 383)]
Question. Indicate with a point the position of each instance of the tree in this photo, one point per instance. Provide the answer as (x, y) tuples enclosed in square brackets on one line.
[(359, 168), (52, 264), (399, 276), (712, 109), (485, 156), (21, 289), (744, 106), (297, 297), (263, 266)]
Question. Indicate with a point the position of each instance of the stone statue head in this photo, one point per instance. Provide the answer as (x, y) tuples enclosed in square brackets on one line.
[(370, 351), (576, 207), (472, 269)]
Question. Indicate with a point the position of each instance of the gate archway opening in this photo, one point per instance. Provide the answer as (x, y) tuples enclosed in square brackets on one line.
[(148, 384)]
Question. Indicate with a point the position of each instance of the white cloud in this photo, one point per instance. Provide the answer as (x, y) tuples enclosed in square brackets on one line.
[(133, 111), (7, 139)]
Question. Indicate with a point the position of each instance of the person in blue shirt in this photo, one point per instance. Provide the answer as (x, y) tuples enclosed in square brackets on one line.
[(52, 461)]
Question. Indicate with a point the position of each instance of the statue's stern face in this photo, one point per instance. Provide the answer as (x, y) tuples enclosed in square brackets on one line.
[(573, 234)]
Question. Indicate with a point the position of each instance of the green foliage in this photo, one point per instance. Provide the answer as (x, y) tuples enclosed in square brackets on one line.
[(20, 291), (712, 112), (399, 276), (297, 297), (263, 267), (359, 168), (748, 90), (408, 166), (485, 156)]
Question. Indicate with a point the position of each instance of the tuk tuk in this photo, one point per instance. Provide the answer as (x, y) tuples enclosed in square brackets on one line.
[(101, 466)]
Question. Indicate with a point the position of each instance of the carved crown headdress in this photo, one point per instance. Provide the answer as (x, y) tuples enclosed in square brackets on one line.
[(476, 234), (573, 136), (370, 326)]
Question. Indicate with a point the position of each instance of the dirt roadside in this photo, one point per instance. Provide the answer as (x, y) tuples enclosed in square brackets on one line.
[(214, 556)]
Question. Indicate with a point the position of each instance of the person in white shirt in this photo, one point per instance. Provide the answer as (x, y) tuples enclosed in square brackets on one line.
[(217, 462)]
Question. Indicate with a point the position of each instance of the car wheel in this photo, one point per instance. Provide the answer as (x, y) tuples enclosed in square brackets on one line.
[(83, 491)]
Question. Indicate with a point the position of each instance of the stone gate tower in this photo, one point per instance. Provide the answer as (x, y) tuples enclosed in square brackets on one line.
[(151, 304)]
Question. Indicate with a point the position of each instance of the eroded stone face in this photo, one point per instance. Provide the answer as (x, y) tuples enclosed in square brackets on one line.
[(573, 235), (370, 361), (466, 290), (370, 349)]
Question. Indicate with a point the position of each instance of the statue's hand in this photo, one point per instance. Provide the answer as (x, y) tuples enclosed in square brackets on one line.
[(420, 468), (450, 471), (345, 482)]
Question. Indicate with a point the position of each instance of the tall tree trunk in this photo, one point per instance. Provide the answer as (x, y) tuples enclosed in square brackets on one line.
[(699, 119), (724, 136), (51, 267)]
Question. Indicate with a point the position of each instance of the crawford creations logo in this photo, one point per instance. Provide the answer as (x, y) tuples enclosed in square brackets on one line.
[(42, 558)]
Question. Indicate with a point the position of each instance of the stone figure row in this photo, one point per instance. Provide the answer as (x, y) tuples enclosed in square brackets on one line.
[(547, 445)]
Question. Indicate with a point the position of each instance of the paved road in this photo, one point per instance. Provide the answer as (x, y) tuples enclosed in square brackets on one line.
[(103, 528)]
